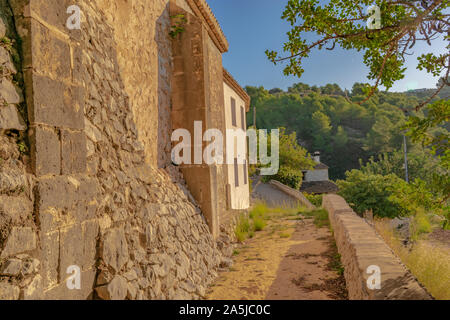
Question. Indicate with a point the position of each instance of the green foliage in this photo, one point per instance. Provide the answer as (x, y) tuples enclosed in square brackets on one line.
[(421, 165), (320, 216), (23, 148), (292, 155), (7, 43), (242, 228), (344, 132), (288, 176), (446, 222), (372, 192), (387, 195), (177, 27), (256, 220), (344, 24), (259, 224), (424, 130), (420, 224), (315, 199), (420, 129), (258, 215), (293, 158)]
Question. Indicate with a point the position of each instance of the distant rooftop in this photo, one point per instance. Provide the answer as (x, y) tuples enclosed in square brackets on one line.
[(319, 187), (320, 166)]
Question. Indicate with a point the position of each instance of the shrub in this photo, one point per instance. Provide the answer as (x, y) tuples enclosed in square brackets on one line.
[(315, 199), (242, 228), (420, 224), (259, 224), (320, 216), (260, 209), (373, 192), (293, 158), (415, 195), (259, 216), (288, 176)]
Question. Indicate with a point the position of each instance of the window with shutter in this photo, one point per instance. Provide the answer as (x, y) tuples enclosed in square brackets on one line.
[(243, 118), (236, 172), (245, 172), (233, 112)]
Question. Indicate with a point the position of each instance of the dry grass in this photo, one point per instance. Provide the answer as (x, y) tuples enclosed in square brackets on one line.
[(258, 216), (429, 264)]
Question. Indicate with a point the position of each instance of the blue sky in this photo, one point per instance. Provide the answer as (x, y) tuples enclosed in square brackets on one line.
[(252, 26)]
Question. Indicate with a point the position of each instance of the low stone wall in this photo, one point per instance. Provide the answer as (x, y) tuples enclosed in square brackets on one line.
[(293, 193), (360, 248)]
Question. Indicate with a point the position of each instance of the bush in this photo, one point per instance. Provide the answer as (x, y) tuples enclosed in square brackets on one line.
[(373, 192), (415, 195), (315, 199), (288, 176), (293, 159), (259, 224), (320, 216), (259, 216), (420, 224), (242, 228)]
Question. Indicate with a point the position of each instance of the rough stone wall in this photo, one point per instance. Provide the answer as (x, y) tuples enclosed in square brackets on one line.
[(19, 266), (360, 247), (156, 243), (141, 30), (93, 200)]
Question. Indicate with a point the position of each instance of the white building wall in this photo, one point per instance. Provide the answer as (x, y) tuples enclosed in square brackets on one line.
[(316, 175), (238, 197)]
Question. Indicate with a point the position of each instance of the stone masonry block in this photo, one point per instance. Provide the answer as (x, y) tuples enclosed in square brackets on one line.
[(66, 191), (85, 293), (54, 12), (71, 249), (9, 92), (115, 249), (19, 240), (79, 68), (45, 152), (50, 258), (50, 55), (90, 230), (54, 103), (65, 200), (73, 152), (9, 291), (10, 118)]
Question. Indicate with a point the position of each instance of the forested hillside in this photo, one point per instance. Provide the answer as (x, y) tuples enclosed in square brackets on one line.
[(325, 120)]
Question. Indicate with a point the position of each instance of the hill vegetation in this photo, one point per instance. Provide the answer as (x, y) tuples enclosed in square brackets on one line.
[(346, 133)]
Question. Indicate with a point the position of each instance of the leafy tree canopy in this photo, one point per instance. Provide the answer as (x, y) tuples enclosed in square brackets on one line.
[(402, 24)]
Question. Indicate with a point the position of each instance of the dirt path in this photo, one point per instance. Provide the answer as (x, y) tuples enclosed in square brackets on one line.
[(290, 259)]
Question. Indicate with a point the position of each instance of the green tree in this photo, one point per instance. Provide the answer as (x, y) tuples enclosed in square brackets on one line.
[(344, 23), (341, 138), (372, 192), (293, 159)]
